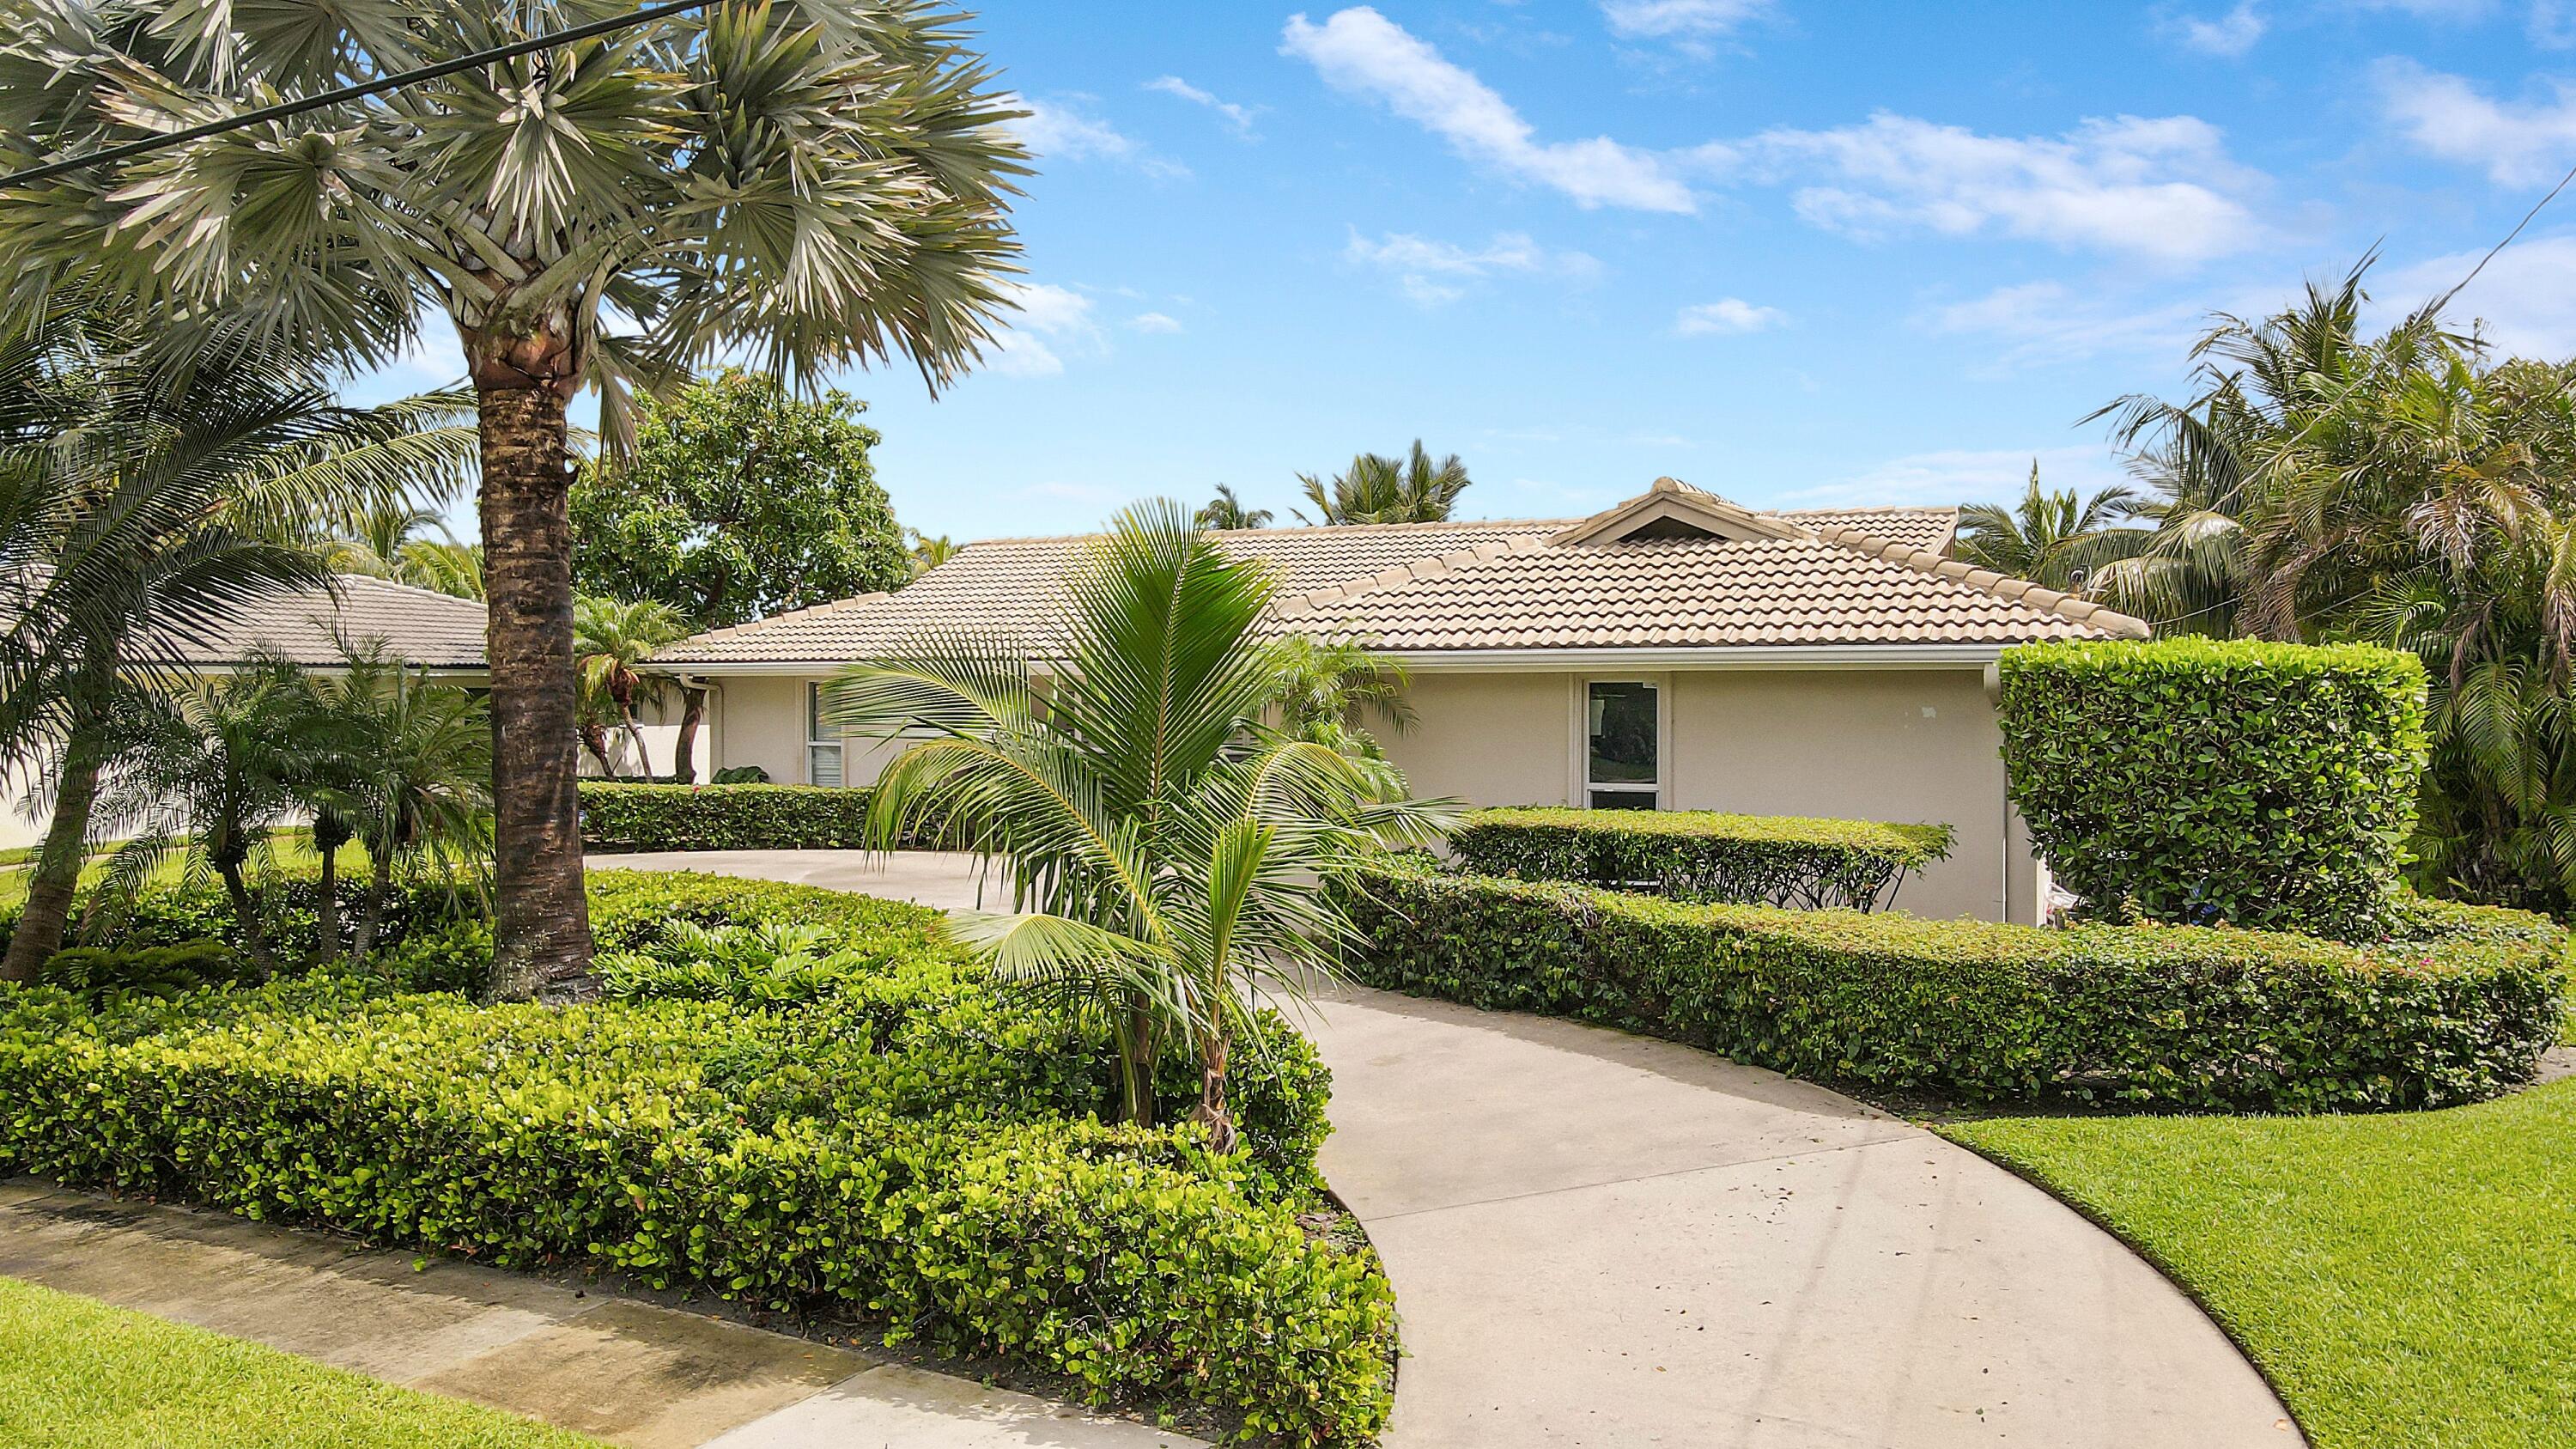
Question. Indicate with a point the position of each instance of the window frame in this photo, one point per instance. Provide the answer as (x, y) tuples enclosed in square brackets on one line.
[(1580, 786), (816, 743)]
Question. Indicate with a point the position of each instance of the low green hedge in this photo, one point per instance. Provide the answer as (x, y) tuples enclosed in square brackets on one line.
[(889, 1137), (619, 816), (1702, 854), (2185, 1016)]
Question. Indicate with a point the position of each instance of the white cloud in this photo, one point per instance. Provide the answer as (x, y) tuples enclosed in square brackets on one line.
[(2446, 116), (2525, 301), (1239, 117), (1432, 272), (1065, 130), (2552, 25), (2038, 323), (1052, 322), (1679, 17), (1726, 317), (1362, 52), (1154, 322), (2162, 188), (2229, 35), (1962, 475)]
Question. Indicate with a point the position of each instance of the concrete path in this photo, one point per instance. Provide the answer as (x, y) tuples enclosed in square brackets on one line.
[(1597, 1239), (631, 1372)]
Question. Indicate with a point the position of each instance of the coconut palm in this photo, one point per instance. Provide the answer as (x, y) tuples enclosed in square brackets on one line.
[(1168, 854), (612, 640), (820, 184), (1227, 511), (2050, 538), (141, 506), (1379, 489)]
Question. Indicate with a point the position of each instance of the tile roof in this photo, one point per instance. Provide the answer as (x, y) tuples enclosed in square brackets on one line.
[(1841, 576), (416, 626)]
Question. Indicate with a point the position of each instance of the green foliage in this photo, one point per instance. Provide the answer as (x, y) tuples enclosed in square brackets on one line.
[(2236, 782), (619, 816), (889, 1136), (1380, 489), (97, 971), (2047, 538), (741, 500), (741, 775), (1702, 854), (2173, 1015)]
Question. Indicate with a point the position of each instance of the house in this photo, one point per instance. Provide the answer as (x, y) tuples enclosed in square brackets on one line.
[(1677, 651), (439, 633)]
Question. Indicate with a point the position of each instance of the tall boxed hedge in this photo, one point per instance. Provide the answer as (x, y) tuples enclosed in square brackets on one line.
[(2219, 781)]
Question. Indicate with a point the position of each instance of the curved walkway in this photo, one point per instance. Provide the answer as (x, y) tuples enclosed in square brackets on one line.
[(1598, 1239)]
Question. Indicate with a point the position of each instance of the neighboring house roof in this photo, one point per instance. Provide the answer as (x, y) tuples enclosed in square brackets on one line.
[(1673, 568), (416, 626)]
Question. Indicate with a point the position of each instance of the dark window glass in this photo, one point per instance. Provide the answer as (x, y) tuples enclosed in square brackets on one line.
[(1621, 724)]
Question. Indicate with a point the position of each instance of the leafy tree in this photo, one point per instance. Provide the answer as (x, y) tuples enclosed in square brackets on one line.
[(2047, 537), (1167, 852), (1379, 489), (612, 640), (141, 506), (2406, 489), (1227, 511), (739, 501), (821, 184)]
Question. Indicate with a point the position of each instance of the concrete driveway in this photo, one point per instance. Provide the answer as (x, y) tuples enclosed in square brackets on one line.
[(1597, 1239)]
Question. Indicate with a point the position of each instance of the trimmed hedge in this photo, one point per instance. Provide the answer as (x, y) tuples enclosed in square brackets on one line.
[(2177, 1015), (620, 816), (898, 1142), (1702, 854), (2219, 781)]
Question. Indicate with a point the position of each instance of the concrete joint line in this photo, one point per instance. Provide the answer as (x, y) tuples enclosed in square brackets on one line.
[(1819, 1150)]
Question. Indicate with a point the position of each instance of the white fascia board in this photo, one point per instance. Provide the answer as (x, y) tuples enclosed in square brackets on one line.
[(1751, 656)]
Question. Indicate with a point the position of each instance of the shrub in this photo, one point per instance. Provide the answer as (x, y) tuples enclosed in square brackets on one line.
[(1703, 854), (2207, 781), (740, 775), (2185, 1016), (617, 816), (637, 1136), (98, 972)]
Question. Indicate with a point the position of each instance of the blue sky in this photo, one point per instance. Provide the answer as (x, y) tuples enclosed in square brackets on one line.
[(1793, 252)]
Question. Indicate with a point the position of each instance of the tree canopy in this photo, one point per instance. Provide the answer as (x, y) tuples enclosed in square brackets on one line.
[(740, 500)]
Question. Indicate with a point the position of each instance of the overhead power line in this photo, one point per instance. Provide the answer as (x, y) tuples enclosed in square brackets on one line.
[(350, 93)]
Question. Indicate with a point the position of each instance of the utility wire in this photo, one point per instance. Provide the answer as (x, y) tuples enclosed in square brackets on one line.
[(350, 93)]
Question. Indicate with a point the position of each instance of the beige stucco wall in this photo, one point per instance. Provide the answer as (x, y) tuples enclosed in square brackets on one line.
[(1883, 744), (1893, 744)]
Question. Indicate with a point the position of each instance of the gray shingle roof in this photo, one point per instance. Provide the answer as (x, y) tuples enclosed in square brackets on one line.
[(1842, 576), (415, 626)]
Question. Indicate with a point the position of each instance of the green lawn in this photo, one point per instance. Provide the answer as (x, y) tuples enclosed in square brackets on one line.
[(292, 850), (2407, 1279), (77, 1374)]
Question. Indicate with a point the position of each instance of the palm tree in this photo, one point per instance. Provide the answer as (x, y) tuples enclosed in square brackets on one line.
[(1167, 853), (372, 540), (1323, 686), (825, 185), (441, 566), (612, 639), (141, 506), (1227, 511), (2048, 538), (424, 789), (1379, 489), (215, 774), (927, 552)]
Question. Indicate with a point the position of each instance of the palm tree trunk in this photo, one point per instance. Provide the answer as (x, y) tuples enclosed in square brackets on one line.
[(595, 740), (380, 884), (541, 928), (56, 876), (327, 840), (1212, 1113), (245, 910), (684, 751), (1136, 1051)]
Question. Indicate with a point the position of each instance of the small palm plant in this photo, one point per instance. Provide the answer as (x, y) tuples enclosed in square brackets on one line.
[(1169, 855), (612, 640), (415, 773)]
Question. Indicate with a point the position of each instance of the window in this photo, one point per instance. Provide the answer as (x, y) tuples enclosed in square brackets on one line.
[(822, 744), (1622, 756)]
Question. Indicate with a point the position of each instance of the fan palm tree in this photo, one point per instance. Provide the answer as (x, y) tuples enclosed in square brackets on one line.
[(141, 506), (2049, 538), (612, 640), (825, 184), (1168, 853), (1227, 511), (1379, 489)]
